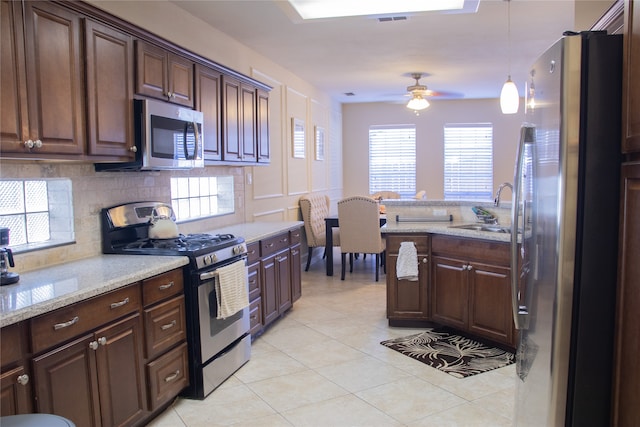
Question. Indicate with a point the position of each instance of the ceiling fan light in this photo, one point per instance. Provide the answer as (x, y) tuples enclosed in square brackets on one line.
[(509, 98), (417, 102)]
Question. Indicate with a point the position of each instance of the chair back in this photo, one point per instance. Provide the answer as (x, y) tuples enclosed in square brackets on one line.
[(385, 195), (359, 218), (315, 208)]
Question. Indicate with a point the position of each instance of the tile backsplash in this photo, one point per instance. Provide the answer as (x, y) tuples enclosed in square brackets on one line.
[(93, 191)]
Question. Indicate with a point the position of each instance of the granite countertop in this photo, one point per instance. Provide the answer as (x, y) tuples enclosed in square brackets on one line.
[(254, 231), (445, 228), (41, 291), (50, 288)]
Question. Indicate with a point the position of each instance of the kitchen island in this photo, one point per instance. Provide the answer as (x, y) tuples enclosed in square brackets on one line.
[(464, 275)]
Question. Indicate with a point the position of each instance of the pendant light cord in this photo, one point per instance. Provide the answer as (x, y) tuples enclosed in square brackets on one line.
[(509, 37)]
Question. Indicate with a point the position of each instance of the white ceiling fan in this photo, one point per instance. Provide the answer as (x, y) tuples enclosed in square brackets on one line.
[(418, 94)]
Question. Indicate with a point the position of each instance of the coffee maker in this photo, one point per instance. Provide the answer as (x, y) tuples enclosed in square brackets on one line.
[(6, 260)]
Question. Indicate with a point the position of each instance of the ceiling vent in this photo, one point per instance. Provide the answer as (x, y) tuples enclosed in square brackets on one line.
[(392, 18)]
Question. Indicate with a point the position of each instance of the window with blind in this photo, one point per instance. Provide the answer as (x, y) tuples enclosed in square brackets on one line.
[(468, 161), (392, 159)]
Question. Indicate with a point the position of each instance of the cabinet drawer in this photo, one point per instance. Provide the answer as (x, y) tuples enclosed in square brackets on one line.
[(164, 326), (421, 242), (167, 376), (472, 249), (253, 252), (274, 244), (65, 323), (12, 343), (255, 316), (162, 286), (295, 236), (254, 281)]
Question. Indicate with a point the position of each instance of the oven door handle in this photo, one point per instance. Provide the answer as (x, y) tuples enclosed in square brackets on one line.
[(208, 275)]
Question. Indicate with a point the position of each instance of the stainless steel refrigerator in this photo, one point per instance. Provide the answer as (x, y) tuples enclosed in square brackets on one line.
[(565, 229)]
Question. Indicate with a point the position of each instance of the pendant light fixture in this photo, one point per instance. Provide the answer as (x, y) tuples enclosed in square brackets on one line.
[(509, 98)]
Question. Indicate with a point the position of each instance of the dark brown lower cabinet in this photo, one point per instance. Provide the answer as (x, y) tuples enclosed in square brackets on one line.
[(97, 379)]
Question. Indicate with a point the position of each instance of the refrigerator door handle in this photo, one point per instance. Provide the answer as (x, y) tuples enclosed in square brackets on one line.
[(520, 312)]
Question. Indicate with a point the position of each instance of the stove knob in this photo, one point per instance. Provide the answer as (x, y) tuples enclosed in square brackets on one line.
[(239, 250), (214, 258), (207, 259)]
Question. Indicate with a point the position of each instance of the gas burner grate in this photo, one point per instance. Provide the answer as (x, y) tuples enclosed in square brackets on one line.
[(190, 242)]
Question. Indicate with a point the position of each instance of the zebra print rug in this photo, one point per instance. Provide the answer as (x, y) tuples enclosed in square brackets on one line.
[(454, 354)]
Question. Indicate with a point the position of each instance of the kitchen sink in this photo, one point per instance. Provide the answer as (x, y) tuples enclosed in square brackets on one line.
[(492, 228)]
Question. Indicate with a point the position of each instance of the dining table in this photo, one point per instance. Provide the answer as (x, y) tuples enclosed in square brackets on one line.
[(330, 223)]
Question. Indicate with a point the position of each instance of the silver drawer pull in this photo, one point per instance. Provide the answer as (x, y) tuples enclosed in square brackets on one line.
[(168, 325), (120, 304), (172, 376), (23, 379), (167, 286), (73, 321)]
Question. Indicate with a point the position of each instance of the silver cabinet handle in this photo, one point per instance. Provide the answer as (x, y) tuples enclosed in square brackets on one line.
[(119, 304), (30, 144), (169, 325), (66, 324), (133, 149), (469, 267), (424, 260), (172, 376), (102, 340), (23, 379), (166, 286), (93, 345)]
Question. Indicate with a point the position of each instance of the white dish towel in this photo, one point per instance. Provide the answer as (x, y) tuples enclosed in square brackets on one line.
[(407, 263), (231, 289)]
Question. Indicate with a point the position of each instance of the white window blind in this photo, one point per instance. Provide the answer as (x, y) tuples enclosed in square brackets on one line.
[(392, 159), (468, 161)]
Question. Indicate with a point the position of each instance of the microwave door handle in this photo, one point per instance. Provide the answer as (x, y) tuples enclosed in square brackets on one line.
[(196, 144), (184, 141)]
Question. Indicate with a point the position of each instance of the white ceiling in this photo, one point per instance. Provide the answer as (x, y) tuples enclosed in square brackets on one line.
[(465, 55)]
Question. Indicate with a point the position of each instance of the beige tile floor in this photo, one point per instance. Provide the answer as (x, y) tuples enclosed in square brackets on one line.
[(322, 365)]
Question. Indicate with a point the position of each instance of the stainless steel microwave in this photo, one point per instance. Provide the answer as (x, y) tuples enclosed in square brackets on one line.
[(167, 136)]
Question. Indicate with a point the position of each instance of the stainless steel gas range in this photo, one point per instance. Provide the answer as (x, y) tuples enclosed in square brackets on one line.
[(217, 346)]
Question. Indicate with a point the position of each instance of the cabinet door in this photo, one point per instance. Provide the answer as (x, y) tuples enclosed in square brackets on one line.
[(14, 123), (120, 372), (109, 68), (296, 273), (180, 82), (66, 383), (283, 261), (248, 126), (208, 101), (490, 302), (262, 127), (626, 411), (449, 292), (269, 278), (15, 392), (631, 80), (231, 120), (406, 299), (55, 99), (151, 70)]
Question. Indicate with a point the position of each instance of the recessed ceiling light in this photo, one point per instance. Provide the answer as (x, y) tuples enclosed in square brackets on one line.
[(318, 9)]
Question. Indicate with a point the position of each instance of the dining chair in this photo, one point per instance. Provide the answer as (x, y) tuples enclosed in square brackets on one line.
[(315, 208), (380, 195), (359, 219), (421, 195)]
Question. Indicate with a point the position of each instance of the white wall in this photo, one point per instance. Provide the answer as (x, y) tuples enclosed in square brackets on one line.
[(429, 139)]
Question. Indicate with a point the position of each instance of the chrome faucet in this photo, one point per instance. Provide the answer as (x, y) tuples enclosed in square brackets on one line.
[(499, 192)]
